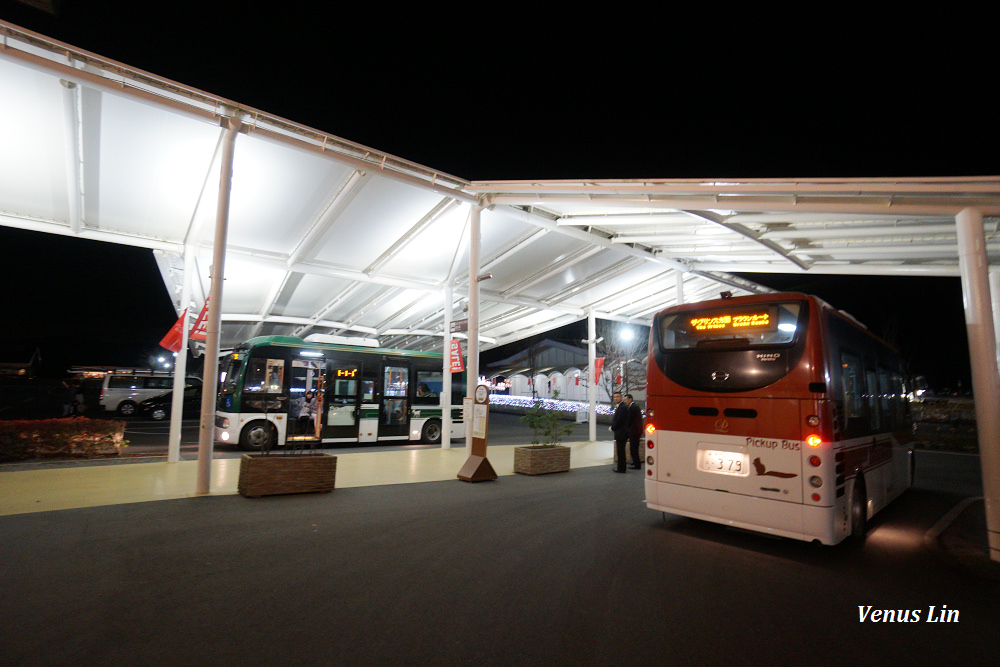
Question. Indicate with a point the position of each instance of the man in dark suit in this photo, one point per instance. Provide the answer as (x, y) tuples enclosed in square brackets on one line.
[(619, 426), (635, 423)]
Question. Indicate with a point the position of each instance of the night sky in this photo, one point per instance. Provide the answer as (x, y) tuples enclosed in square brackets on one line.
[(505, 91)]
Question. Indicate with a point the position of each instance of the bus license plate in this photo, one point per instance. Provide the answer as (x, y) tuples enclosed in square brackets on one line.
[(723, 463)]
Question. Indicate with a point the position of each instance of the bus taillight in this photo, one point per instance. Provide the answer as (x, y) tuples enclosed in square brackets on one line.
[(814, 440), (650, 428)]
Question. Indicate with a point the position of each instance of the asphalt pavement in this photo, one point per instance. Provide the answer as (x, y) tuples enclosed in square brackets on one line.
[(560, 569)]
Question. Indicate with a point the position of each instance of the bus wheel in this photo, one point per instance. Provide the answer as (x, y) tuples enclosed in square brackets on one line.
[(432, 432), (859, 510), (126, 408), (257, 435)]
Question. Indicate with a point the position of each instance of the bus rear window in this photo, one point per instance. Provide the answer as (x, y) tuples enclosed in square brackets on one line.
[(734, 327)]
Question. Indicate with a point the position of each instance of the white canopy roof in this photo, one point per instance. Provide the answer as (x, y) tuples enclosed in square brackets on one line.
[(328, 236)]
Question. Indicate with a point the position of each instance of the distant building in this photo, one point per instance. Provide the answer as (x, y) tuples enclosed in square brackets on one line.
[(541, 370)]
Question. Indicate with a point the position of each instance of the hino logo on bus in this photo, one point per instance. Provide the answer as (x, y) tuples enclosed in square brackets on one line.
[(768, 356), (720, 376)]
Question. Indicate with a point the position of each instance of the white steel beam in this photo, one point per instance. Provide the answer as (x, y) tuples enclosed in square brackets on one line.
[(556, 266), (743, 230), (842, 268), (318, 228), (330, 306), (755, 203), (440, 209), (887, 231)]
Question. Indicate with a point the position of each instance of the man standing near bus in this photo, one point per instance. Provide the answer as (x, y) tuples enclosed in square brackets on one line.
[(634, 430), (619, 427)]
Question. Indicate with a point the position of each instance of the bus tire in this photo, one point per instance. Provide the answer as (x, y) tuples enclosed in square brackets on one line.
[(126, 408), (258, 435), (859, 510), (431, 433)]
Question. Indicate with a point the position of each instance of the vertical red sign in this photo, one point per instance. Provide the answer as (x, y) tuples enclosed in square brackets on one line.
[(457, 365), (598, 368), (200, 329)]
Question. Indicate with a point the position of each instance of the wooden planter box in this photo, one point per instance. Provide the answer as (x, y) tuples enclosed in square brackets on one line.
[(273, 474), (541, 459)]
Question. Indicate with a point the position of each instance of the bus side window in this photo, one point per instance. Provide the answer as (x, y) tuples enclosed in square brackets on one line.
[(899, 402), (429, 385), (871, 385), (264, 375), (885, 399), (853, 400), (256, 374)]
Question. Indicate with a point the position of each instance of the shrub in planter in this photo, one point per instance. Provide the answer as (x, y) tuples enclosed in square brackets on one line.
[(544, 454), (60, 438)]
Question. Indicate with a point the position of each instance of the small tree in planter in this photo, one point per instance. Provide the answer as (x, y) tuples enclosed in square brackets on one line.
[(544, 454)]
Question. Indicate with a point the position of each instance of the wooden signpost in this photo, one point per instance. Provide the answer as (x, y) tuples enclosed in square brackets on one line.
[(477, 468)]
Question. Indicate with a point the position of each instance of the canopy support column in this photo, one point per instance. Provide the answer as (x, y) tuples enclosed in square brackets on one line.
[(477, 467), (592, 379), (180, 363), (995, 299), (974, 265), (210, 382), (472, 366), (446, 372)]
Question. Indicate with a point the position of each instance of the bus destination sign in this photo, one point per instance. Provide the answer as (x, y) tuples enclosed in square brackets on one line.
[(732, 322)]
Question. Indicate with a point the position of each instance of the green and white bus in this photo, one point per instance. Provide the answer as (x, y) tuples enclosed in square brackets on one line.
[(282, 390)]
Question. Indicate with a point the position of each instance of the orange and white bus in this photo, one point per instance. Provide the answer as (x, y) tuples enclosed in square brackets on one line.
[(774, 413)]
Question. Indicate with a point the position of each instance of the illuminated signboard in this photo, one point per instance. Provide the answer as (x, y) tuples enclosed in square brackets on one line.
[(345, 372), (733, 322)]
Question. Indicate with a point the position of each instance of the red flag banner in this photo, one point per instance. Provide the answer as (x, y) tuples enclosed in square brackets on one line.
[(172, 341), (200, 328), (598, 368), (457, 365)]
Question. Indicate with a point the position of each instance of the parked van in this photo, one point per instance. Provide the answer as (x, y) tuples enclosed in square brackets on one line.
[(122, 391)]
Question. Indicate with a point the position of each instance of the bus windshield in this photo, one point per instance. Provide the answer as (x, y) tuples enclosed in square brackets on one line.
[(230, 375), (740, 326)]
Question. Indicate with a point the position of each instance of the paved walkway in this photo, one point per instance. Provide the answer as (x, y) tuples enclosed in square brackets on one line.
[(75, 486)]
